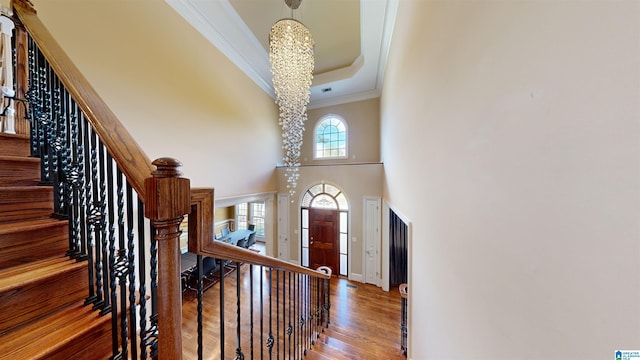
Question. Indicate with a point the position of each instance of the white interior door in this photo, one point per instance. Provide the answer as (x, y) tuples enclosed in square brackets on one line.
[(283, 226), (372, 241)]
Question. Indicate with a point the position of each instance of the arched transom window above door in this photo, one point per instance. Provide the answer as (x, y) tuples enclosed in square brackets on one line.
[(325, 196), (325, 228)]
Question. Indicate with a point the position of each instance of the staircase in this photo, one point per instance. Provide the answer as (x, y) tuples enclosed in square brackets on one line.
[(42, 291)]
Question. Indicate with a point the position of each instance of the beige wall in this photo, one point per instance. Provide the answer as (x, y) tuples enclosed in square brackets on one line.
[(363, 126), (525, 201), (173, 90), (356, 182)]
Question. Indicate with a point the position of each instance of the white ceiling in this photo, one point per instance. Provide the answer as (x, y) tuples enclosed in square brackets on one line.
[(351, 37)]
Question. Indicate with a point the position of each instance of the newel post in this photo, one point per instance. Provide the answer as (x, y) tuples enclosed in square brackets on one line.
[(167, 201)]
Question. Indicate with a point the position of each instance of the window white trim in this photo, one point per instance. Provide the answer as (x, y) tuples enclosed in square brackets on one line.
[(315, 139)]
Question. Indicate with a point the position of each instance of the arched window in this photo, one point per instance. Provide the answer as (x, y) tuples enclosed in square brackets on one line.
[(328, 197), (330, 138)]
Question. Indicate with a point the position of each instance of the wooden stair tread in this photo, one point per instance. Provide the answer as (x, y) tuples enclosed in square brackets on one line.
[(31, 224), (33, 193), (14, 136), (21, 275), (41, 339), (20, 158)]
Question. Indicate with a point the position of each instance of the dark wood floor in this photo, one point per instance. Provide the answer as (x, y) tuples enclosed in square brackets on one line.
[(365, 322)]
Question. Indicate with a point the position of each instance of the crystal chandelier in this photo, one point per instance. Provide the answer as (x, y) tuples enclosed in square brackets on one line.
[(291, 58)]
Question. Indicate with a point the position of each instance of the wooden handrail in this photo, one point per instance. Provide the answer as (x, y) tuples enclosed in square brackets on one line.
[(126, 152), (222, 250), (202, 242), (404, 290)]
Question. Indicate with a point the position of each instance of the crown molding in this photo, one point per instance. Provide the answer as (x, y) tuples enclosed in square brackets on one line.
[(219, 23)]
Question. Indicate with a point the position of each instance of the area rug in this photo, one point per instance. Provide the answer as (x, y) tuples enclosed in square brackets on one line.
[(190, 291)]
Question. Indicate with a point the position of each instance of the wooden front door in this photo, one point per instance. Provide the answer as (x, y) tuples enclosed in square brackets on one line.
[(323, 239)]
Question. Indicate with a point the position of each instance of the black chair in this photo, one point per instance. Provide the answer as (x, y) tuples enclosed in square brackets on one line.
[(210, 265), (251, 240), (251, 227)]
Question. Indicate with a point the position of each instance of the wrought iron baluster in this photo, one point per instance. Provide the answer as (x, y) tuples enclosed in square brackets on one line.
[(251, 310), (57, 146), (131, 266), (239, 354), (261, 313), (152, 334), (105, 163), (290, 327), (45, 127), (84, 192), (96, 211), (306, 314), (303, 343), (313, 313), (300, 317), (35, 97), (316, 309), (121, 268), (30, 96), (75, 180), (200, 293), (296, 317), (222, 262), (112, 256), (142, 274), (284, 314), (270, 337), (98, 217), (277, 313)]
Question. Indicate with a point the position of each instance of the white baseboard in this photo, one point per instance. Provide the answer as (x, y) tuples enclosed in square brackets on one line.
[(356, 277)]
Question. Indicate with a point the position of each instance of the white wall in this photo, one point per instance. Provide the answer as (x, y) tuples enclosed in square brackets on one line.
[(511, 140)]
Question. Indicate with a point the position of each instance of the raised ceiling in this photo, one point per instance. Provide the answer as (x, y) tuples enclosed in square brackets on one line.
[(351, 40)]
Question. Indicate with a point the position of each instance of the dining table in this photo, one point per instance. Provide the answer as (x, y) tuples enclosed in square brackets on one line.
[(235, 236)]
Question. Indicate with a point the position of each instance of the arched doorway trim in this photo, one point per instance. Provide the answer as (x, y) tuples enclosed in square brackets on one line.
[(326, 197)]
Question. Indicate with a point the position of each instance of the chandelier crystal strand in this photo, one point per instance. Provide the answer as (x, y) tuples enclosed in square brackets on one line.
[(291, 58)]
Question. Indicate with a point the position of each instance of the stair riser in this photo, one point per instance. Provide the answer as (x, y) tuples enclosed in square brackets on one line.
[(14, 146), (93, 344), (34, 244), (25, 203), (19, 172), (40, 298)]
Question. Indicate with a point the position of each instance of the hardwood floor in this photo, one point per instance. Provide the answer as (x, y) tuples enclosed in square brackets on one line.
[(364, 324)]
